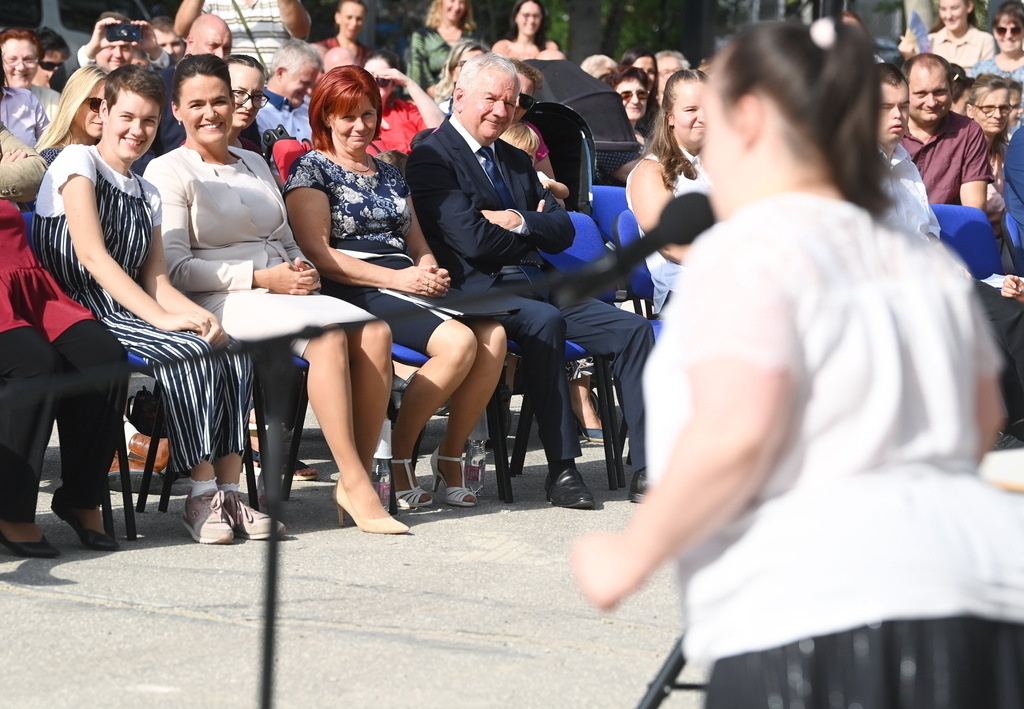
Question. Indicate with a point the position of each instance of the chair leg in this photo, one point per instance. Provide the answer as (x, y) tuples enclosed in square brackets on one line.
[(609, 424), (499, 446), (297, 425), (147, 468), (522, 441), (250, 477), (665, 681)]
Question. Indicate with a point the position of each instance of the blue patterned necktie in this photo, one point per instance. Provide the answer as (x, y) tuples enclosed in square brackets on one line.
[(491, 168)]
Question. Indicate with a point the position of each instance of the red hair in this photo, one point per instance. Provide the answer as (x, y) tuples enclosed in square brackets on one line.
[(26, 35), (338, 93)]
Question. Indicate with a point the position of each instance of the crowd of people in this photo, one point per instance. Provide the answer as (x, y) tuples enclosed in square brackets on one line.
[(160, 217), (818, 315)]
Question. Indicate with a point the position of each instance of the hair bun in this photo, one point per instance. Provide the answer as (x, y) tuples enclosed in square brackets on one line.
[(823, 33)]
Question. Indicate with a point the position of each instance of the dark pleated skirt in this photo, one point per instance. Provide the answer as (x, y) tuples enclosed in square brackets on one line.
[(948, 663)]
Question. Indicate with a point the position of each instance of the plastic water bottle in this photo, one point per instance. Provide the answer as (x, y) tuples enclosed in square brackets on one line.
[(476, 457), (382, 465)]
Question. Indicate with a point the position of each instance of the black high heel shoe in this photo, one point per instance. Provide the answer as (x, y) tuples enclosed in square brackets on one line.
[(36, 550), (90, 538)]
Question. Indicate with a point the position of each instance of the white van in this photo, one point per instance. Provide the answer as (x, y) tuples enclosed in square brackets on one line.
[(72, 19)]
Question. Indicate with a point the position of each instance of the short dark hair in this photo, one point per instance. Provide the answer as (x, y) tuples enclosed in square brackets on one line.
[(52, 41), (162, 23), (931, 60), (139, 80), (623, 73), (890, 75), (251, 62), (198, 65), (393, 60)]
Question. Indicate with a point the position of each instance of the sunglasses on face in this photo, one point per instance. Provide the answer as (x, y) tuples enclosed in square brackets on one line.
[(93, 103), (526, 102), (382, 82), (641, 95), (50, 66), (1000, 31)]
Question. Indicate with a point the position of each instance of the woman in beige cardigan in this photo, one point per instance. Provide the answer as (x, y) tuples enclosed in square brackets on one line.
[(229, 246)]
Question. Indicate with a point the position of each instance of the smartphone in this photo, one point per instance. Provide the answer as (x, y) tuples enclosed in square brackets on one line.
[(125, 32)]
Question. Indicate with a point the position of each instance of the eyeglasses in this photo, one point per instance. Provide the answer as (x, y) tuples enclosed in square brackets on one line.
[(50, 66), (241, 97), (1013, 30), (16, 60), (1004, 110), (93, 103), (526, 102), (382, 82), (641, 95)]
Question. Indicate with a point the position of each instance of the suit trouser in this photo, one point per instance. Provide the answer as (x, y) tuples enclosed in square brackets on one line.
[(1006, 316), (541, 329), (88, 422)]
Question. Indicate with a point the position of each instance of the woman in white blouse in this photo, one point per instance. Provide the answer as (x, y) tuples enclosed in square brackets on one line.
[(671, 167), (815, 471)]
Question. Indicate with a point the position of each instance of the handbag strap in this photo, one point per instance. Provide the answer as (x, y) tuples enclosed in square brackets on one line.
[(245, 26)]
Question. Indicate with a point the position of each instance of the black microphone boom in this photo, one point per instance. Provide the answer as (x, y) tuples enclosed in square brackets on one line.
[(684, 219)]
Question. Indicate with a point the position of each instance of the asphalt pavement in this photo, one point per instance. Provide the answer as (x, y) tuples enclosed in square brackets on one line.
[(474, 608)]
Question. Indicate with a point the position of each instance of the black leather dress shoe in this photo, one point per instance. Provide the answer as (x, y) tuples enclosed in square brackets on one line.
[(37, 550), (569, 490), (638, 486), (90, 538)]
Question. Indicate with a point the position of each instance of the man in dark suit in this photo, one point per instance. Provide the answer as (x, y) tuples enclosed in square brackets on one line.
[(487, 218)]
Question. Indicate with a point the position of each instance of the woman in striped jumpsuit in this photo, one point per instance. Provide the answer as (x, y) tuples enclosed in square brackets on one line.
[(97, 230)]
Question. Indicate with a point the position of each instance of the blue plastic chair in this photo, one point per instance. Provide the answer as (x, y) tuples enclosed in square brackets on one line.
[(1012, 229), (607, 204), (968, 232), (640, 287), (587, 247)]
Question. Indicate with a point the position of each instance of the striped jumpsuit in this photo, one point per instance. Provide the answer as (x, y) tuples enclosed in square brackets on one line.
[(206, 392)]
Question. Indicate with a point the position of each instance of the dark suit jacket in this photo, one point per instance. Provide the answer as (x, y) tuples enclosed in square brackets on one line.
[(450, 188)]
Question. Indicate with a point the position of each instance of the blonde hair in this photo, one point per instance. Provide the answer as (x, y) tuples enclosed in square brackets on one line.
[(522, 137), (466, 23), (446, 86), (76, 91)]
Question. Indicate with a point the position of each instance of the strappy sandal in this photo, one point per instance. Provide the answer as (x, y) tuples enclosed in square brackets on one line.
[(413, 497), (455, 496)]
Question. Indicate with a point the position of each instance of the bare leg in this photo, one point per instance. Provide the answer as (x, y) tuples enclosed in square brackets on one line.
[(21, 531), (470, 399), (228, 469), (452, 349), (369, 353), (582, 406), (331, 390)]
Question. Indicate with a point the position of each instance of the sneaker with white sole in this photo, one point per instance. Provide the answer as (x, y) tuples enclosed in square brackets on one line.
[(246, 522), (206, 519)]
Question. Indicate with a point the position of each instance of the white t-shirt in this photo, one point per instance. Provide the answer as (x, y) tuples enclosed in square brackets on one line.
[(85, 160), (665, 274), (873, 510)]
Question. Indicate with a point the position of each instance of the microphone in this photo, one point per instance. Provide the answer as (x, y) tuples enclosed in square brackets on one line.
[(684, 219)]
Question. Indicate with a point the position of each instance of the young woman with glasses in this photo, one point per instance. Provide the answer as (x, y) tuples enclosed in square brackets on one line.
[(247, 81), (77, 119), (1008, 31), (401, 119)]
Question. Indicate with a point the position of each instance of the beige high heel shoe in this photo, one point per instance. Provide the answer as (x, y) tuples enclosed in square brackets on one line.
[(384, 525)]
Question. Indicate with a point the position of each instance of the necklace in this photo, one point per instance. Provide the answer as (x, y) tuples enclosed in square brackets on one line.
[(355, 166)]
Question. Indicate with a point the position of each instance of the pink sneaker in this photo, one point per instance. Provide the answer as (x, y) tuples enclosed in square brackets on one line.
[(206, 520), (246, 522)]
